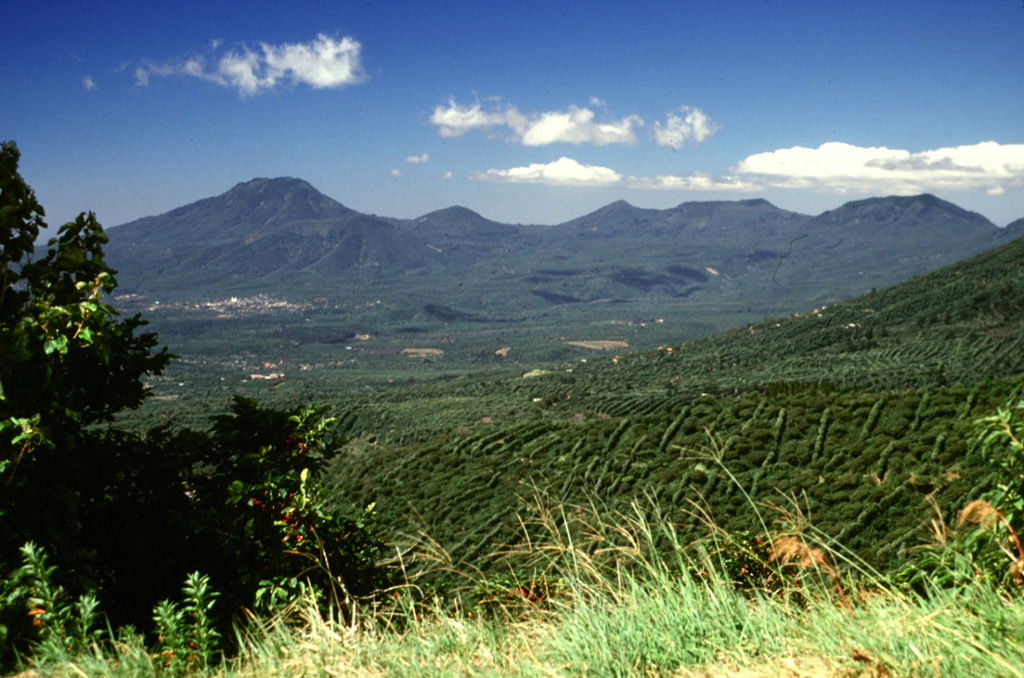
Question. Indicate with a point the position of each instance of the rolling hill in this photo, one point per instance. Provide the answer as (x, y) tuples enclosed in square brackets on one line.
[(855, 416)]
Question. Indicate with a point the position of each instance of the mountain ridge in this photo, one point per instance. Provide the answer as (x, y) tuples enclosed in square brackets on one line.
[(282, 233)]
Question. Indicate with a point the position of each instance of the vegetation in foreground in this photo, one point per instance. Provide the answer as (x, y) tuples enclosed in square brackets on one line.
[(605, 600)]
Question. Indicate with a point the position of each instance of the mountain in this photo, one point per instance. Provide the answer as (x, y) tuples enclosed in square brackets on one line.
[(718, 220), (1014, 229), (861, 410), (872, 238), (904, 212), (746, 256), (957, 325), (912, 234), (618, 217), (259, 230), (466, 238), (329, 248), (251, 207), (457, 227)]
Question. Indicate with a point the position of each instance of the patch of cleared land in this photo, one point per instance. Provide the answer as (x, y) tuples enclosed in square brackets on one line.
[(422, 352), (599, 345)]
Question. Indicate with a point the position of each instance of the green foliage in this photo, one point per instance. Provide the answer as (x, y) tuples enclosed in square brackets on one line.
[(960, 558), (985, 544), (186, 636), (60, 626), (58, 630), (13, 623), (748, 563), (257, 494), (127, 516), (999, 440), (69, 362), (68, 359), (512, 594), (869, 486)]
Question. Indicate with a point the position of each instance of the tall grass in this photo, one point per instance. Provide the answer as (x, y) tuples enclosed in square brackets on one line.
[(627, 609), (632, 600)]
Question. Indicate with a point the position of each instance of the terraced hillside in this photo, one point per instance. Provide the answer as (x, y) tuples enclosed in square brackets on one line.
[(859, 413)]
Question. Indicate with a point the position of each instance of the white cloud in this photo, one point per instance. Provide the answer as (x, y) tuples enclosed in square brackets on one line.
[(696, 181), (692, 125), (396, 173), (568, 172), (418, 159), (842, 167), (238, 71), (561, 172), (577, 126), (89, 83), (323, 63), (446, 175), (574, 126), (456, 120)]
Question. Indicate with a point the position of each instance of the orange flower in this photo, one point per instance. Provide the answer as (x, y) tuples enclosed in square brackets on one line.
[(36, 613)]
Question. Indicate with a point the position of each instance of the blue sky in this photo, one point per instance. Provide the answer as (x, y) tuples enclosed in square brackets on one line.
[(531, 112)]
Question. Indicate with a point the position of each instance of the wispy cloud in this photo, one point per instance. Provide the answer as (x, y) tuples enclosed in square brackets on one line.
[(396, 173), (694, 181), (569, 172), (418, 159), (691, 125), (841, 168), (456, 120), (88, 83), (323, 63), (574, 125), (561, 172)]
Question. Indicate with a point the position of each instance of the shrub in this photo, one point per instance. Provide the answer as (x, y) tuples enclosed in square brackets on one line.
[(259, 503)]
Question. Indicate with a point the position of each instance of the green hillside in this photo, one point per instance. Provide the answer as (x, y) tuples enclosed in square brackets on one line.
[(859, 413)]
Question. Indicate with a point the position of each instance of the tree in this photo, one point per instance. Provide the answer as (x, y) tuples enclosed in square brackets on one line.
[(67, 362), (129, 516)]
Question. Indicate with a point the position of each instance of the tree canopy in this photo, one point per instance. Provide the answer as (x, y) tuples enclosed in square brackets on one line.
[(69, 361)]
